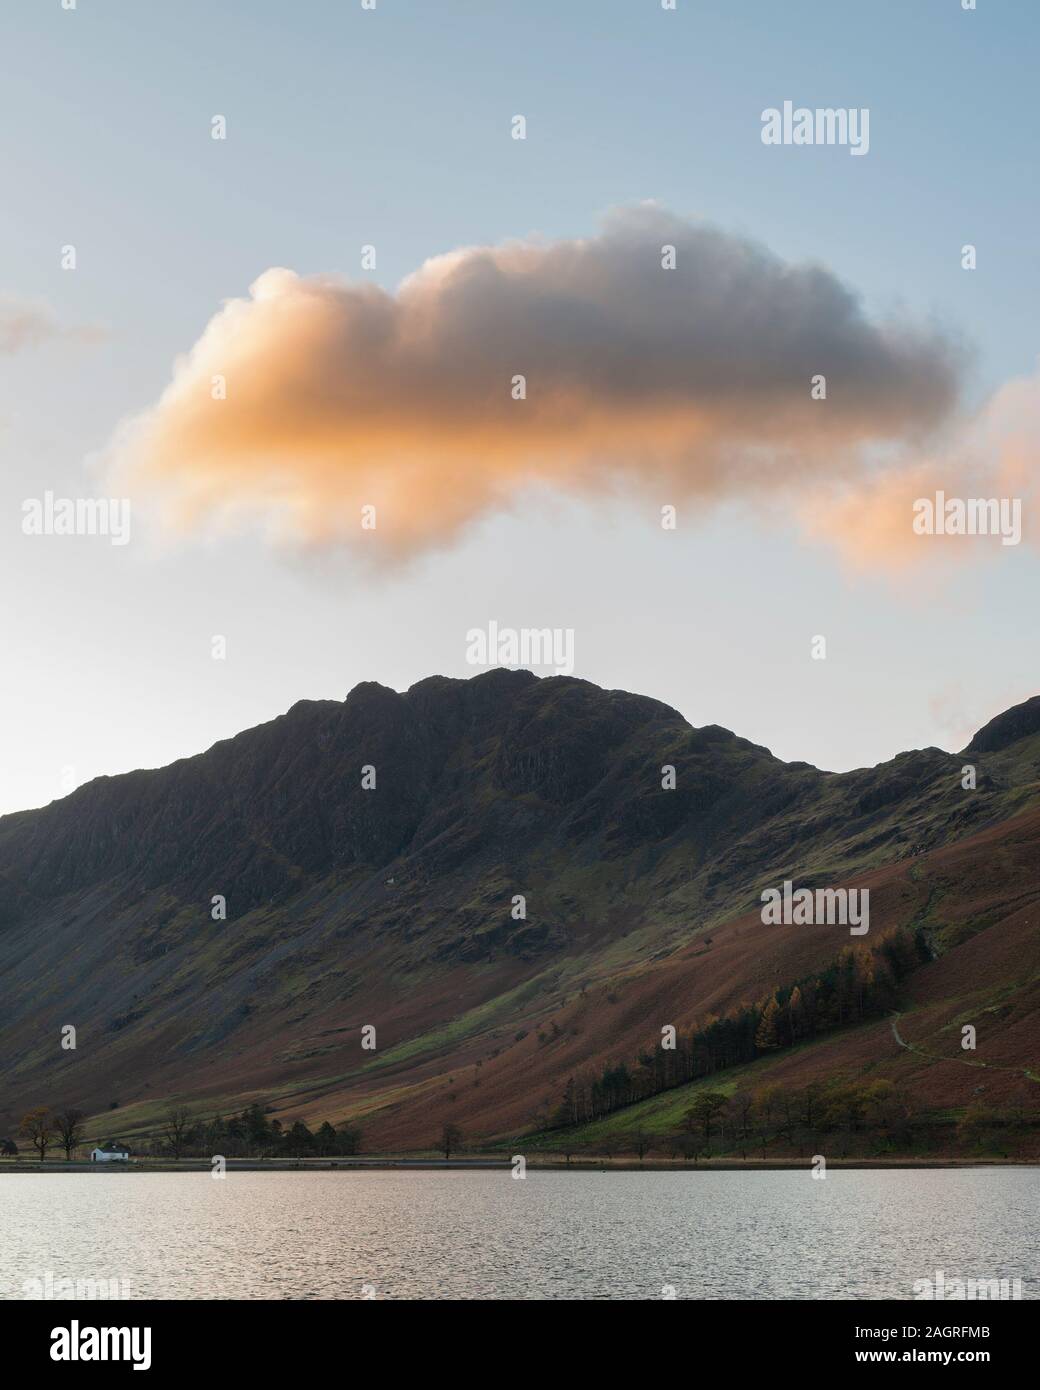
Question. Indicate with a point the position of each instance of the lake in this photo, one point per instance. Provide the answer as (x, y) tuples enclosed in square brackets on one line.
[(553, 1235)]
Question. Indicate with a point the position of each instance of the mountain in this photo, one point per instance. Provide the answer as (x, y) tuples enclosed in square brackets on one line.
[(396, 906)]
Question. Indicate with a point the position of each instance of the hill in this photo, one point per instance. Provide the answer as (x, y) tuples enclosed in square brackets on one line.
[(394, 906)]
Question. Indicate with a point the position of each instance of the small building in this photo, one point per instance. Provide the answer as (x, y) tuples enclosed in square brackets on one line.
[(111, 1151)]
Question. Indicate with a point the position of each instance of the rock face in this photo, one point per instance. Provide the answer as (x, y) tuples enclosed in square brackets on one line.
[(1020, 722), (399, 900), (460, 767)]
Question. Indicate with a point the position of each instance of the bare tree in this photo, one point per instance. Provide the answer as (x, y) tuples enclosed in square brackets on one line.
[(69, 1124), (175, 1126), (38, 1127), (742, 1103)]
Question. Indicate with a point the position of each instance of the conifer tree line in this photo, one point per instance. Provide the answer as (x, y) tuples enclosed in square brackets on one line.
[(249, 1134), (861, 983)]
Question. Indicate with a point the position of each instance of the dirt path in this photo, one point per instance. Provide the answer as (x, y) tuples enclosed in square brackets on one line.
[(964, 1061)]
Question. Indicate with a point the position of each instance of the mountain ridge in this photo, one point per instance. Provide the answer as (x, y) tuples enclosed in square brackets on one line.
[(1016, 722), (394, 905)]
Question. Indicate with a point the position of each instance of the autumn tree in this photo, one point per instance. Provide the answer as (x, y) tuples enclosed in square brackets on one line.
[(38, 1127), (768, 1035), (796, 1014)]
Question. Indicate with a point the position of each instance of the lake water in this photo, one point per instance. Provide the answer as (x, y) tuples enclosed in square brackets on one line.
[(554, 1235)]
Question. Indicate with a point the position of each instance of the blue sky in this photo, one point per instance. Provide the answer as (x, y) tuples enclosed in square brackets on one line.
[(391, 127)]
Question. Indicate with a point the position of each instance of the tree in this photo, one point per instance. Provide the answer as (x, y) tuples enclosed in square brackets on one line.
[(977, 1124), (767, 1036), (843, 1110), (641, 1142), (765, 1102), (38, 1127), (889, 1108), (811, 1097), (789, 1114), (796, 1014), (8, 1148), (451, 1138), (348, 1140), (706, 1105), (255, 1128), (743, 1104), (69, 1123), (326, 1139), (300, 1140), (687, 1146), (236, 1135), (174, 1129)]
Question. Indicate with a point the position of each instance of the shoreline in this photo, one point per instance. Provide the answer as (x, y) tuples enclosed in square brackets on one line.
[(325, 1165)]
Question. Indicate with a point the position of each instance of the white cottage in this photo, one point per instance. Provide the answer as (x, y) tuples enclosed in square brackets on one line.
[(110, 1152)]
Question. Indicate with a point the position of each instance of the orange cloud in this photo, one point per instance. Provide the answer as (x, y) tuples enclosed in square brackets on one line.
[(690, 381), (871, 522)]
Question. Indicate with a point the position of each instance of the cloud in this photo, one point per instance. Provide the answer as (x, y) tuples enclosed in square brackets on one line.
[(25, 325), (995, 455), (692, 381)]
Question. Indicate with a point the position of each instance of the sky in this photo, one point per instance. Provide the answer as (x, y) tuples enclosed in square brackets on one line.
[(393, 128)]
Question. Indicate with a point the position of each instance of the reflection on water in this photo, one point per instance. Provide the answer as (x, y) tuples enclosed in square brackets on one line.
[(866, 1234)]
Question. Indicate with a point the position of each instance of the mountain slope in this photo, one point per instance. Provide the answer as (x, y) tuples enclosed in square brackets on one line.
[(393, 906)]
